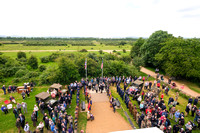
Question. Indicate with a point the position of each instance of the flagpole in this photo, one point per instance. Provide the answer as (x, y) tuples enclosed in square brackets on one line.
[(86, 69), (102, 69)]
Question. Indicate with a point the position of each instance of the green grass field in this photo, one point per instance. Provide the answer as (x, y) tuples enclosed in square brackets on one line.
[(97, 47), (8, 121)]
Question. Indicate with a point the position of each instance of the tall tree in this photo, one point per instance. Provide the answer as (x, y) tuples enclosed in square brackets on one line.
[(180, 58), (135, 50), (67, 70), (153, 45)]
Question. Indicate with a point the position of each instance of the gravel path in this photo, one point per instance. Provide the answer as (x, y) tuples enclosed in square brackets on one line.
[(186, 89), (105, 119)]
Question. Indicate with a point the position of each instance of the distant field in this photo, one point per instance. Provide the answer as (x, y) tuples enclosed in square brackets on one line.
[(98, 47)]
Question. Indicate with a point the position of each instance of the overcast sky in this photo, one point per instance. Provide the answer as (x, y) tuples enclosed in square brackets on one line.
[(99, 18)]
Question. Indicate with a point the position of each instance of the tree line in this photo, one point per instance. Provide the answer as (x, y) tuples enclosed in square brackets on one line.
[(176, 56), (68, 67)]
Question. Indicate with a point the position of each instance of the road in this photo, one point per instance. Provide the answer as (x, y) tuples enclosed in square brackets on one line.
[(186, 89)]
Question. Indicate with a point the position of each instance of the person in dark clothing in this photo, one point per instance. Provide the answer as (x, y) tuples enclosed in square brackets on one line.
[(22, 120), (181, 121), (193, 110), (47, 123), (4, 89), (15, 112), (196, 101), (190, 100), (176, 128)]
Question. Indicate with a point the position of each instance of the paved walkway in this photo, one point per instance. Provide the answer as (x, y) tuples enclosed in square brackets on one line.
[(105, 119), (186, 89)]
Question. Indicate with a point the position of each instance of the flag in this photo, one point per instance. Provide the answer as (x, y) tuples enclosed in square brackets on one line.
[(102, 64), (85, 63)]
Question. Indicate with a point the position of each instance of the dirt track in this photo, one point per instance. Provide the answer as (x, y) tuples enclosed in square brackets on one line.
[(186, 89), (105, 119)]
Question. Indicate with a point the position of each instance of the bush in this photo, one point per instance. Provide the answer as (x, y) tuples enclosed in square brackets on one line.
[(32, 74), (124, 50), (114, 51), (21, 55), (83, 50), (44, 59), (42, 68), (118, 53), (53, 57), (22, 59), (101, 51), (20, 73), (16, 80), (33, 62)]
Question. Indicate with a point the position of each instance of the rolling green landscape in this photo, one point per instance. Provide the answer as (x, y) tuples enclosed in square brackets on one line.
[(53, 62)]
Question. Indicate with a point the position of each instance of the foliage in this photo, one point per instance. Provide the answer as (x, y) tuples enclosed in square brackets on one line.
[(67, 70), (124, 50), (152, 46), (114, 51), (32, 74), (116, 68), (20, 73), (138, 61), (33, 62), (21, 55), (126, 59), (44, 59), (48, 76), (179, 52), (135, 50), (42, 68), (54, 56), (122, 43), (101, 51), (83, 50)]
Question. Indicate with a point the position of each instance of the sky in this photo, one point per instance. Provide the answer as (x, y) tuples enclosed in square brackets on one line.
[(99, 18)]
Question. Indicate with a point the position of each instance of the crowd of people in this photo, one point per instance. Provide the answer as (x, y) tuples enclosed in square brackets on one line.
[(153, 111)]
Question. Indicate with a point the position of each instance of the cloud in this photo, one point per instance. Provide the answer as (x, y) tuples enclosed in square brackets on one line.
[(188, 9), (191, 16)]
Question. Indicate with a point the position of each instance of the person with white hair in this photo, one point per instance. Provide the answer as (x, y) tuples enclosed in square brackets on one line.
[(24, 107), (36, 110)]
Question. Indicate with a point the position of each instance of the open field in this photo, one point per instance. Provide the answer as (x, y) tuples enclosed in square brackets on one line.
[(98, 47)]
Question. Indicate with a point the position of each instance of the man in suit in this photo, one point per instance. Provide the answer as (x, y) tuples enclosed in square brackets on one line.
[(22, 120)]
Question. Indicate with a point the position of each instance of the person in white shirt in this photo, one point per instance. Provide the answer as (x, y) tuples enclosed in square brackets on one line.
[(36, 110), (26, 128), (40, 126)]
